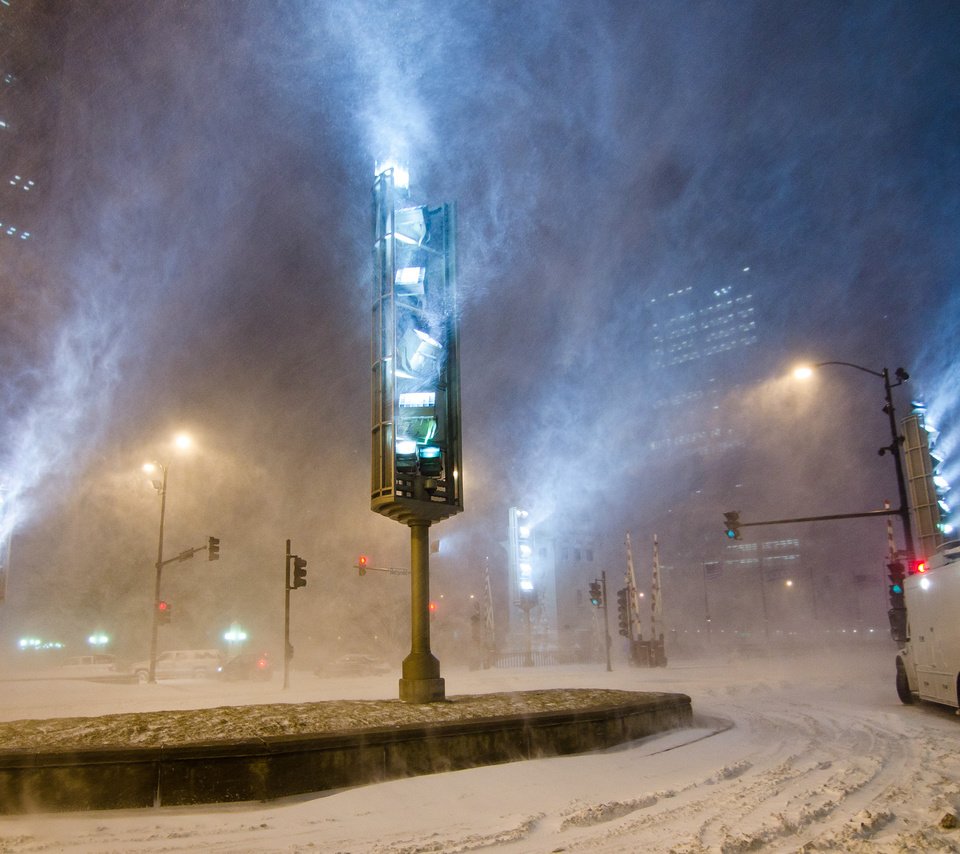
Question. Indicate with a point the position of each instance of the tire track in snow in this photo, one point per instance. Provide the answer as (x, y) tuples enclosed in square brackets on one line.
[(833, 785)]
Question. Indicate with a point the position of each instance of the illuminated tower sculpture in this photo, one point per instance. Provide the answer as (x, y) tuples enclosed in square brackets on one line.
[(416, 453), (925, 482)]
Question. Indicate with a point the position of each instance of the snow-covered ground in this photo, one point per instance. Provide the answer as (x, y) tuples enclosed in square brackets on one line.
[(812, 752)]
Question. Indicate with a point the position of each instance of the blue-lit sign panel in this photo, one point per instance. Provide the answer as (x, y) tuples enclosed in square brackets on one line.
[(416, 457)]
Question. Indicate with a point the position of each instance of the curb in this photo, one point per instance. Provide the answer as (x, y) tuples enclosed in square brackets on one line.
[(278, 766)]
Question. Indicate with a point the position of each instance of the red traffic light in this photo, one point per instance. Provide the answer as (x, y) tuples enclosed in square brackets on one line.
[(433, 607), (362, 564), (163, 612)]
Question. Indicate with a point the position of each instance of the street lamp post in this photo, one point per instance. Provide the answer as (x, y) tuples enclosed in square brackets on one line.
[(182, 441), (162, 488), (896, 439)]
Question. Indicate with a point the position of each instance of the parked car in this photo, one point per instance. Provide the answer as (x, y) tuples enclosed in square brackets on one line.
[(181, 664), (247, 665), (354, 664), (93, 666)]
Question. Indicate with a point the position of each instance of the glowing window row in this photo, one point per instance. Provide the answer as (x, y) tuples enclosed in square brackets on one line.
[(24, 184), (791, 543), (13, 231)]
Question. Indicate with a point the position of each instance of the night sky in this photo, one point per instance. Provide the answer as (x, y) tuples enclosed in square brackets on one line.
[(206, 265)]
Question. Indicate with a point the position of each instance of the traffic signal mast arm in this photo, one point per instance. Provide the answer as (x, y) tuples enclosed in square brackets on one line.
[(740, 524), (365, 567), (186, 554)]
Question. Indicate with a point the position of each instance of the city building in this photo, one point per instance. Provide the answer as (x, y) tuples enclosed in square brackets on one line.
[(31, 56)]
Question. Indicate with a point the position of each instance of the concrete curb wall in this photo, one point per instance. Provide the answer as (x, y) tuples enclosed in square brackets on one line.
[(263, 769)]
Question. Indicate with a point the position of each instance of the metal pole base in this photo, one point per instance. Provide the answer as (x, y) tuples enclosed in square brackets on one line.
[(421, 681), (422, 690)]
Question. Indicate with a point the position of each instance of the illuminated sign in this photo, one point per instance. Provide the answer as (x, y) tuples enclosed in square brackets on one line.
[(416, 453)]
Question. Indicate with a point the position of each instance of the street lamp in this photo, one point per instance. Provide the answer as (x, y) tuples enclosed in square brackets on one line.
[(805, 371), (181, 441)]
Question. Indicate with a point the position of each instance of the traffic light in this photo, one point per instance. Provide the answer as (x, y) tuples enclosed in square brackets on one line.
[(362, 564), (732, 518), (898, 609), (596, 593), (163, 612), (213, 548), (623, 611), (431, 460), (299, 572), (895, 572)]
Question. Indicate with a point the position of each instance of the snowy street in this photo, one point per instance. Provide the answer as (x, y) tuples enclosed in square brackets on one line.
[(814, 751)]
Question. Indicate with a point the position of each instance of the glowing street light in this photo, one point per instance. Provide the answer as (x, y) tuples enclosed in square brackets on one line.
[(806, 371), (181, 441), (235, 634)]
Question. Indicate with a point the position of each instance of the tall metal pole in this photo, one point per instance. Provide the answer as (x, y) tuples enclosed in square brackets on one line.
[(152, 677), (527, 605), (896, 440), (763, 600), (286, 622), (606, 629), (706, 601), (421, 682), (898, 463)]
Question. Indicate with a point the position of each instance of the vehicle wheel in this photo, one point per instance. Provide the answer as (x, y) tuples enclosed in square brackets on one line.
[(142, 677), (903, 686)]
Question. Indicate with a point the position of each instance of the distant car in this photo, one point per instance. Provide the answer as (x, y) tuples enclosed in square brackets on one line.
[(354, 664), (248, 665), (181, 664), (93, 666)]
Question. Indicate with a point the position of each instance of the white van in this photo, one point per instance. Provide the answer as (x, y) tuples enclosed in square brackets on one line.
[(181, 664), (928, 666)]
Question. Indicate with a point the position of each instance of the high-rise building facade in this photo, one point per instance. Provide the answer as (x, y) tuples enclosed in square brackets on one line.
[(31, 56)]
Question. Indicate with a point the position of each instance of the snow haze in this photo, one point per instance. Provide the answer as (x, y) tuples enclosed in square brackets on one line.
[(809, 750)]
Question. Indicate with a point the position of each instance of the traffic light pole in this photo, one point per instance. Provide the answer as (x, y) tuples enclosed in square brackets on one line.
[(606, 627), (286, 622), (155, 623), (895, 450), (896, 440)]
